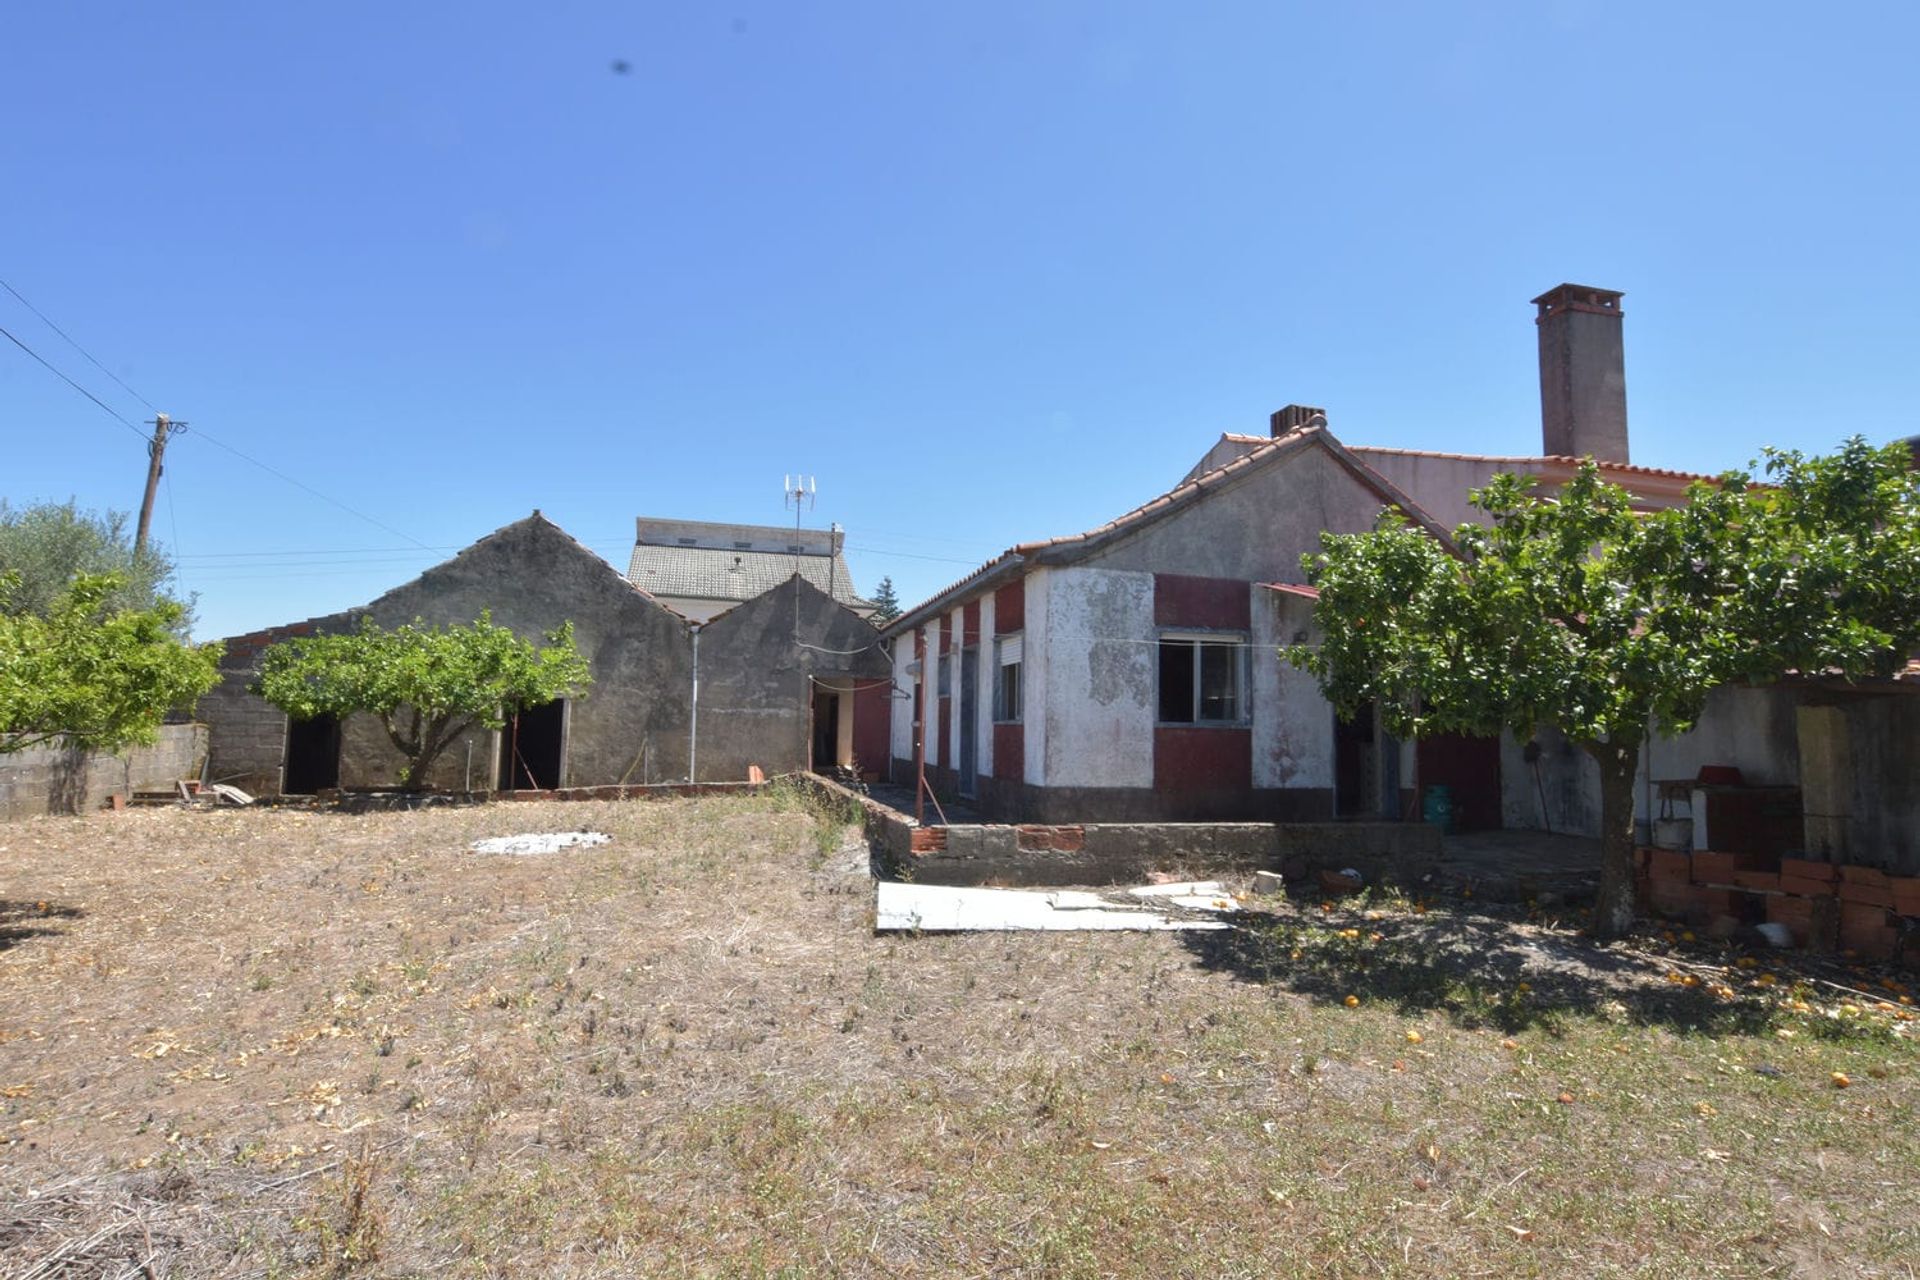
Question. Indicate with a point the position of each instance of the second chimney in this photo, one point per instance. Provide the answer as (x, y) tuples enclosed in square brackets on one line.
[(1293, 417), (1583, 374)]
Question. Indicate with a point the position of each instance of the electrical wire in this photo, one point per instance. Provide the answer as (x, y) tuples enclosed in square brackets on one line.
[(201, 434), (76, 346), (111, 412)]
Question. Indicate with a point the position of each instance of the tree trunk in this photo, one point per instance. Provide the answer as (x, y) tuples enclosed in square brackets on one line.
[(1619, 761)]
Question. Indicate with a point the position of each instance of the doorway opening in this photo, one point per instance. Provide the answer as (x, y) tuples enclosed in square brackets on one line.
[(532, 746), (313, 756), (1356, 765), (825, 753)]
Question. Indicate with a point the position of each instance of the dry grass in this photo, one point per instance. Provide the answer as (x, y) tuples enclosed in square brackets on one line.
[(281, 1043)]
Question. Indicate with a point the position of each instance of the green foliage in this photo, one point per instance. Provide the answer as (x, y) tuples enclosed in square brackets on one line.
[(49, 544), (1579, 612), (100, 674), (886, 605), (427, 685)]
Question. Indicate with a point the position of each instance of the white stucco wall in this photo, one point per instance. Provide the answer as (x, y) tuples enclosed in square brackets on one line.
[(1100, 708), (956, 685), (1292, 723), (1038, 675), (1751, 729), (935, 747), (900, 713)]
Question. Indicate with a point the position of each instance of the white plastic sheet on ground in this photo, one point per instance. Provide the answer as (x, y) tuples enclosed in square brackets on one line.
[(543, 842), (933, 908)]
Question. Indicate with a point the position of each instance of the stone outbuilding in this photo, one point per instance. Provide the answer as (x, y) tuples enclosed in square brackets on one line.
[(667, 703)]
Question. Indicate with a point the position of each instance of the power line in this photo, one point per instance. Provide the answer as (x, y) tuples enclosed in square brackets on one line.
[(201, 434), (76, 346), (107, 408)]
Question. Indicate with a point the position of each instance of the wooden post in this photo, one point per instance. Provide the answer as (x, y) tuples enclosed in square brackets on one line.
[(163, 427)]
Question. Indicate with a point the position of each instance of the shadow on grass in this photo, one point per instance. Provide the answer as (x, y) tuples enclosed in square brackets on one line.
[(1479, 970), (20, 921)]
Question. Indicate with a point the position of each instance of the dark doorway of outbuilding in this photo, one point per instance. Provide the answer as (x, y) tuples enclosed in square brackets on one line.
[(313, 756), (531, 747), (1356, 765), (826, 729)]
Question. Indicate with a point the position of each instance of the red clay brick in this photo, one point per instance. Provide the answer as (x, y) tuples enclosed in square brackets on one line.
[(1805, 888), (1714, 868), (1069, 839), (1906, 895), (1867, 895), (1870, 876), (1808, 869), (1758, 881), (1867, 930), (1665, 864)]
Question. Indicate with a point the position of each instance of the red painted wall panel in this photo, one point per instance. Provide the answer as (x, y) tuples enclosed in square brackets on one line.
[(970, 623), (1009, 751), (1192, 760), (1182, 601), (937, 750), (872, 710), (1010, 608)]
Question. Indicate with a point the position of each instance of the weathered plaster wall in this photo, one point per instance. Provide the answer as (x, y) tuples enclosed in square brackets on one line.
[(1038, 673), (1292, 722), (900, 710), (1883, 826), (756, 660), (57, 779), (1256, 528), (1439, 485), (1751, 729), (1100, 700)]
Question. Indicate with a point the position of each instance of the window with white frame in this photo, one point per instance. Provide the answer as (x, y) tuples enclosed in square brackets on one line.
[(1202, 679), (1007, 688)]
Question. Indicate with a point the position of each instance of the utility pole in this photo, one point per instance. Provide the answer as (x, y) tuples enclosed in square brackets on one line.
[(163, 428)]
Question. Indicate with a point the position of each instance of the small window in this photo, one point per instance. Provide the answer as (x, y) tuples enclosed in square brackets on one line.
[(688, 542), (1200, 679), (743, 546), (1006, 684)]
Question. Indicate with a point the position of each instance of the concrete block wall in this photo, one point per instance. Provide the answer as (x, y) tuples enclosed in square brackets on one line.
[(56, 779)]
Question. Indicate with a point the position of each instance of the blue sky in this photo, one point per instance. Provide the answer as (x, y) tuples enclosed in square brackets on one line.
[(992, 271)]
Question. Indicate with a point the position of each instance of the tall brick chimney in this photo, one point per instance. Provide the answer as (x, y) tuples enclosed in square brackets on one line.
[(1293, 417), (1583, 373)]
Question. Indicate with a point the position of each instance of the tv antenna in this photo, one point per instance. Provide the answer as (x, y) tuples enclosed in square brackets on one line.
[(800, 493)]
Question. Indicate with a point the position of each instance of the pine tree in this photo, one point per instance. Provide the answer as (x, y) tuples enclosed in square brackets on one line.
[(886, 605)]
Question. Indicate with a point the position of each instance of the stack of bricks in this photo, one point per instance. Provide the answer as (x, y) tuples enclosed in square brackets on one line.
[(1861, 910)]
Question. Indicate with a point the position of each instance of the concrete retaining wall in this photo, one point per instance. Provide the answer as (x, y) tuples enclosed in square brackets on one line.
[(56, 779)]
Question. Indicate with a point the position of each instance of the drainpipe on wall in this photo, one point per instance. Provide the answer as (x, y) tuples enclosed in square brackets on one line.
[(693, 719)]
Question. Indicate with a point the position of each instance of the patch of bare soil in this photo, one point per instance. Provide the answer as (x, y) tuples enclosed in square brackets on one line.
[(275, 1043)]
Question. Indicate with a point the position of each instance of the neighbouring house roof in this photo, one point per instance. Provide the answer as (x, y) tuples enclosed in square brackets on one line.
[(1300, 589), (1550, 463), (705, 560), (1066, 550)]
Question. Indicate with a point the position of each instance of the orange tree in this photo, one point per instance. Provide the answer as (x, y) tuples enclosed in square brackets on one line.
[(426, 685), (1574, 610)]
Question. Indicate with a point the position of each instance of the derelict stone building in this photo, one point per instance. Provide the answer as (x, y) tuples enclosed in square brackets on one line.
[(641, 721)]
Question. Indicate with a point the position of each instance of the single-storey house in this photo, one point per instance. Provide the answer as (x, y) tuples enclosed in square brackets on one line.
[(1131, 672)]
